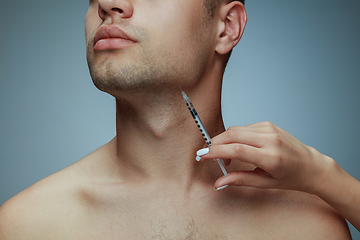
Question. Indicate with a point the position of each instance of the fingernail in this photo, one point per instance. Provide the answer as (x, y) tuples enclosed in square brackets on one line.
[(198, 158), (202, 151), (219, 188)]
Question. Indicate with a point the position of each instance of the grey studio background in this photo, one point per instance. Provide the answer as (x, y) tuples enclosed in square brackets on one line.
[(298, 66)]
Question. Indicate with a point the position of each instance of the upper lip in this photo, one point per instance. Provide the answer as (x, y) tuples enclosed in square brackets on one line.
[(111, 31)]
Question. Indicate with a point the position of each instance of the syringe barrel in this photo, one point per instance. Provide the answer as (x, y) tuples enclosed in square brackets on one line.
[(197, 119), (202, 129)]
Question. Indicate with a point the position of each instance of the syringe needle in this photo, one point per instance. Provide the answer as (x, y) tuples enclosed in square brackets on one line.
[(202, 129)]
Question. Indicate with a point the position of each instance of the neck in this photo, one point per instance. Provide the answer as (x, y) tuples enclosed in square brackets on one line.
[(157, 138)]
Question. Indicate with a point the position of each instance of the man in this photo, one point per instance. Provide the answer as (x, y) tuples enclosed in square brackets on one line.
[(145, 183)]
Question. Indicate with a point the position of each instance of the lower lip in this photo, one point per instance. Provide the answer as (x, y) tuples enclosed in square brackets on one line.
[(112, 43)]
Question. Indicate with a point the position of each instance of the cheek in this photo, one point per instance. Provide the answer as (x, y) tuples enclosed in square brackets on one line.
[(171, 23), (180, 36)]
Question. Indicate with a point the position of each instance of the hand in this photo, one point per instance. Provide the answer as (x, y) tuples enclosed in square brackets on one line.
[(282, 162)]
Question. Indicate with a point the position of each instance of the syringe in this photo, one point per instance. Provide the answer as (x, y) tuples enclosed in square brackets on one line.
[(202, 129)]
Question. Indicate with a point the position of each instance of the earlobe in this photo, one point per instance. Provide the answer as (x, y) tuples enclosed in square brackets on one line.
[(233, 22)]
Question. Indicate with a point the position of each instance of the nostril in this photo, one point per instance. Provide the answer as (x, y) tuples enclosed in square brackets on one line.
[(117, 10)]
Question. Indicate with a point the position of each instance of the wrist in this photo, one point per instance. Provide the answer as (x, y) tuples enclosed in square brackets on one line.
[(328, 182)]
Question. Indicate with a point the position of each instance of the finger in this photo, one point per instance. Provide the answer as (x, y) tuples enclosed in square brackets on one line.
[(241, 152), (261, 127), (256, 126), (235, 135), (265, 124), (256, 178)]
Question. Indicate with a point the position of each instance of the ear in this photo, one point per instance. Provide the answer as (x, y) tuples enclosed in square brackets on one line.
[(232, 23)]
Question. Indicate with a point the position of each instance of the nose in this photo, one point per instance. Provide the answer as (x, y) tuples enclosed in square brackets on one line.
[(115, 8)]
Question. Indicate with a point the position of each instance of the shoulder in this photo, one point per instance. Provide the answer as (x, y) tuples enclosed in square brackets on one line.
[(318, 217), (304, 216), (53, 205), (33, 213)]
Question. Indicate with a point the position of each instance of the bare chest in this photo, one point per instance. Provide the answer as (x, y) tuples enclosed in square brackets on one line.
[(160, 223), (202, 217), (185, 222)]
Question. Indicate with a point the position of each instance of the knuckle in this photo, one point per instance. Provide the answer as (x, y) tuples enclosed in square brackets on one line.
[(232, 133), (268, 124), (274, 160), (275, 156), (239, 149), (275, 139), (238, 181), (270, 127), (232, 128)]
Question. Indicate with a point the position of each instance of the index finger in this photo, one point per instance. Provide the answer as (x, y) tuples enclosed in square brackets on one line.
[(241, 136), (240, 152)]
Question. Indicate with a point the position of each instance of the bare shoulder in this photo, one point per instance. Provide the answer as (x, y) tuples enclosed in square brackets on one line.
[(318, 217), (53, 202), (297, 215)]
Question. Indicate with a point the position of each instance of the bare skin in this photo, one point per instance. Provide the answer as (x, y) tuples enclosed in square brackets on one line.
[(285, 163), (91, 200), (145, 183)]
